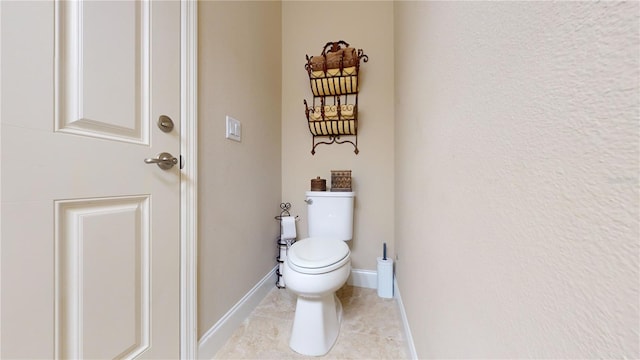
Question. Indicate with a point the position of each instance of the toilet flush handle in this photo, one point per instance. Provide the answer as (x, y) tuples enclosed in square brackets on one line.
[(308, 201)]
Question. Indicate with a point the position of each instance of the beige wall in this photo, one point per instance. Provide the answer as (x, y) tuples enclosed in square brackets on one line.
[(517, 178), (239, 183), (306, 28)]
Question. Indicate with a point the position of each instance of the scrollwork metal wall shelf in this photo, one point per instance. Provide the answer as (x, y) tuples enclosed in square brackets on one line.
[(333, 78)]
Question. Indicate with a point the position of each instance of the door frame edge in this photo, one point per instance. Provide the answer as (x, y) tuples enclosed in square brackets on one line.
[(189, 179)]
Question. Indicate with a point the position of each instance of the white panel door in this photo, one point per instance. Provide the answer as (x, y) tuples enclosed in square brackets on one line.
[(90, 232)]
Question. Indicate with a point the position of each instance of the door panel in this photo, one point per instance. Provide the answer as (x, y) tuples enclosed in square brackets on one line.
[(92, 62), (102, 314), (90, 233)]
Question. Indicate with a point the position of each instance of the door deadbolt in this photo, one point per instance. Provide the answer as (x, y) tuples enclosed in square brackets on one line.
[(165, 123), (164, 160)]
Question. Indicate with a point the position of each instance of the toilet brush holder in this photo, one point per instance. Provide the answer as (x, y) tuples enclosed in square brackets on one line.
[(385, 278)]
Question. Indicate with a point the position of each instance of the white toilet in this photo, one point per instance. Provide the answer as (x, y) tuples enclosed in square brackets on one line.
[(318, 266)]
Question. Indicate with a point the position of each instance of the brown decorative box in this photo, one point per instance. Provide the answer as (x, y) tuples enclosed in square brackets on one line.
[(340, 180), (318, 184)]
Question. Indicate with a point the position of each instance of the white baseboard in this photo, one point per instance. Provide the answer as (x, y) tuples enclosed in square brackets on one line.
[(411, 348), (363, 278), (217, 336)]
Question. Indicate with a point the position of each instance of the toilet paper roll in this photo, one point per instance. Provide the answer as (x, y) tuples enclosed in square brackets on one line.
[(288, 225), (282, 255)]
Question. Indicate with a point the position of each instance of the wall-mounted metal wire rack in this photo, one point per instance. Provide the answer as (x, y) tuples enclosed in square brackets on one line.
[(333, 78)]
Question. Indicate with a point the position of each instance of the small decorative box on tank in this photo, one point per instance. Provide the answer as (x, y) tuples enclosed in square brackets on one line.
[(340, 180), (318, 184)]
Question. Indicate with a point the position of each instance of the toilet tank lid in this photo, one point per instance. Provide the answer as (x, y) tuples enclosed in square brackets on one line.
[(330, 194)]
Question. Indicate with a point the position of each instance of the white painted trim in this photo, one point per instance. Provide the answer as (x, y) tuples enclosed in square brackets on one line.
[(411, 348), (221, 331), (1, 121), (189, 179), (363, 278)]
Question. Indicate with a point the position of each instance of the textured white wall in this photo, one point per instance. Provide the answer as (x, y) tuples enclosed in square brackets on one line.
[(517, 129)]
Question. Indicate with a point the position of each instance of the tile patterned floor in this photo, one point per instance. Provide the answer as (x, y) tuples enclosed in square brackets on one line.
[(371, 329)]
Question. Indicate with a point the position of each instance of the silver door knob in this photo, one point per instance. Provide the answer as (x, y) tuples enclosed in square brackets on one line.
[(164, 160)]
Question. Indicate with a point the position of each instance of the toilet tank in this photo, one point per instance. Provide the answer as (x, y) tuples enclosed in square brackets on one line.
[(330, 214)]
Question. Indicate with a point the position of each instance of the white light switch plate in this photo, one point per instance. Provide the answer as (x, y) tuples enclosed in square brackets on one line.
[(234, 129)]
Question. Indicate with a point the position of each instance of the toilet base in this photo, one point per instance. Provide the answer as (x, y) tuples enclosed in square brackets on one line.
[(316, 324)]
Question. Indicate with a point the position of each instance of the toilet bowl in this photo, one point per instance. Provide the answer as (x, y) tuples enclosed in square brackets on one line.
[(318, 266), (315, 268)]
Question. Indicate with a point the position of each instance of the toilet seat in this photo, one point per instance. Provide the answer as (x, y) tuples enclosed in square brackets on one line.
[(317, 255)]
